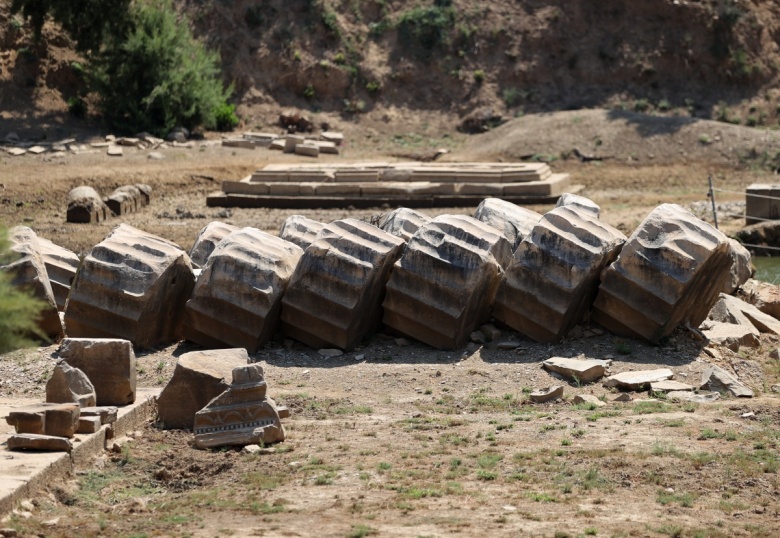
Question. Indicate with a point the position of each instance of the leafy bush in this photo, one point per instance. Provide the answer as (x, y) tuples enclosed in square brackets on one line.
[(18, 310), (226, 117), (425, 27), (156, 75), (77, 107)]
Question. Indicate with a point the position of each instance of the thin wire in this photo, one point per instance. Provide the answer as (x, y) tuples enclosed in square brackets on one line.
[(742, 216), (759, 246), (749, 194)]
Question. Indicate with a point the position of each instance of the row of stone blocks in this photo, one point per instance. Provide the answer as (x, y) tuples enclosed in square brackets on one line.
[(86, 206), (431, 279)]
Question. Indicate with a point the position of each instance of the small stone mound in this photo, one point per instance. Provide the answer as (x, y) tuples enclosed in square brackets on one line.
[(513, 221), (207, 241), (29, 273), (61, 266), (133, 285), (238, 296), (554, 275), (670, 272), (300, 230), (441, 290), (335, 295), (403, 222), (86, 206)]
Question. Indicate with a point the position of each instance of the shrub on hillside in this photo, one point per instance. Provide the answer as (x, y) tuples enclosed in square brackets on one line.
[(156, 75), (18, 310)]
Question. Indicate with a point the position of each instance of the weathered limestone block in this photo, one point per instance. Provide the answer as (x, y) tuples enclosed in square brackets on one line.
[(585, 204), (133, 285), (108, 363), (515, 222), (763, 295), (199, 377), (582, 370), (741, 267), (61, 267), (86, 205), (731, 335), (29, 441), (242, 415), (403, 222), (68, 384), (719, 380), (46, 419), (546, 394), (554, 275), (88, 425), (300, 230), (669, 272), (207, 241), (120, 202), (335, 295), (731, 309), (135, 193), (29, 272), (146, 193), (442, 288), (638, 379), (106, 414), (238, 296)]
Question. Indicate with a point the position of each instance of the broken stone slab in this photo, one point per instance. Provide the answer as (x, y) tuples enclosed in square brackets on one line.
[(554, 275), (515, 222), (109, 364), (580, 370), (638, 379), (547, 394), (741, 267), (89, 425), (307, 149), (114, 151), (27, 268), (241, 415), (69, 384), (623, 397), (403, 222), (29, 441), (730, 309), (37, 150), (669, 273), (46, 419), (61, 267), (207, 241), (291, 141), (330, 353), (120, 203), (106, 413), (491, 332), (731, 335), (86, 206), (133, 285), (16, 152), (300, 230), (719, 380), (669, 386), (242, 143), (762, 295), (334, 298), (442, 287), (582, 203), (199, 377), (587, 399), (333, 136), (134, 192), (695, 397), (28, 420), (237, 299)]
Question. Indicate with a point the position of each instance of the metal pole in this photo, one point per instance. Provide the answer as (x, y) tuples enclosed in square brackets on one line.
[(711, 196)]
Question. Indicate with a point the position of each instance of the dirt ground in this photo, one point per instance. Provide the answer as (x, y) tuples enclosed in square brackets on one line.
[(395, 438)]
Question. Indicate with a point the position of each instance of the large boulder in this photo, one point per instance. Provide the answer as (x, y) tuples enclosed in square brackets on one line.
[(403, 222), (741, 267), (108, 363), (133, 285), (242, 415), (199, 377), (238, 296), (85, 205), (670, 272), (442, 288), (28, 268), (515, 222), (207, 241), (335, 295), (300, 230), (61, 267), (554, 275), (69, 385)]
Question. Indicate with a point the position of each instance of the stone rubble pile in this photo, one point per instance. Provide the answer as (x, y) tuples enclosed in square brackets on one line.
[(86, 206)]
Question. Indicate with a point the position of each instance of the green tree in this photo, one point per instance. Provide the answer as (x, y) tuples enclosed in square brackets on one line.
[(88, 22), (156, 75), (18, 310)]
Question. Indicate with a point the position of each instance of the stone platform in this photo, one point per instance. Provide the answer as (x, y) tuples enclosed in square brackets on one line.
[(23, 473), (370, 184)]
